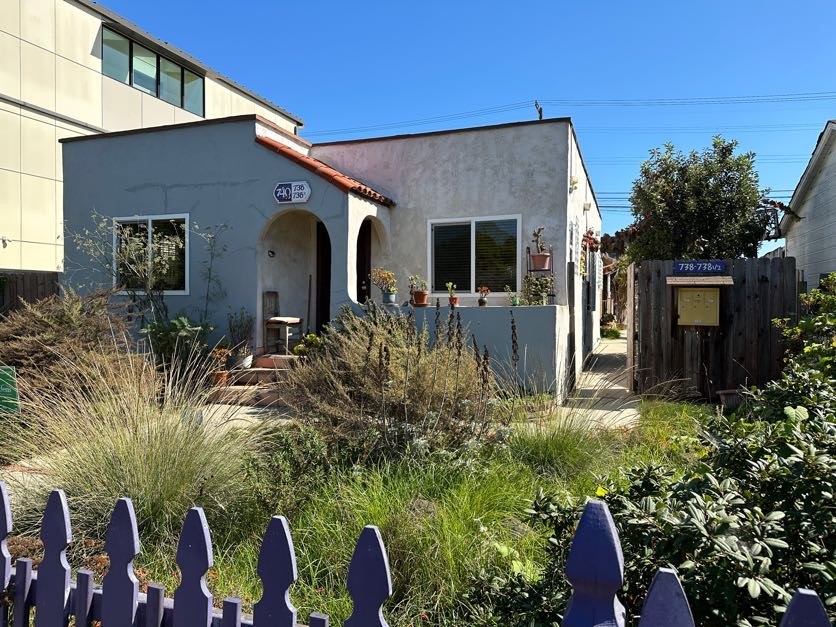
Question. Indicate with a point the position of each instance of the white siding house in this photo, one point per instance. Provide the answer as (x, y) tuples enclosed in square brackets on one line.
[(812, 238)]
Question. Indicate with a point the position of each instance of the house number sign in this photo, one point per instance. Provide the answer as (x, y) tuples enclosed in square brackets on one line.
[(700, 266), (292, 191)]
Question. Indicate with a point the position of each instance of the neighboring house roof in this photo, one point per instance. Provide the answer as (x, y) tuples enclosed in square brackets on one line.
[(135, 32), (819, 152), (340, 180)]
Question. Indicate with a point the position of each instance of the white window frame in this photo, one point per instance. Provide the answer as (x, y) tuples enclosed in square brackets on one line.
[(472, 220), (149, 218)]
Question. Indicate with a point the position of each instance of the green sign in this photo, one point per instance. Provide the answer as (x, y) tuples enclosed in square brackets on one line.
[(9, 399)]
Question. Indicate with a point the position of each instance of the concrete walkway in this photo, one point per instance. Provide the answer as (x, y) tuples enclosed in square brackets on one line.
[(601, 395)]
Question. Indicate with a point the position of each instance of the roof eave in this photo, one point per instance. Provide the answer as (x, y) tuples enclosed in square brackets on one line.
[(825, 137)]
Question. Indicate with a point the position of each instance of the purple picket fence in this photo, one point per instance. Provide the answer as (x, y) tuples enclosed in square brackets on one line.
[(595, 568)]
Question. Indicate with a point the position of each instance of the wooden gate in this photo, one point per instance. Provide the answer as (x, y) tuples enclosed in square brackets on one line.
[(744, 349)]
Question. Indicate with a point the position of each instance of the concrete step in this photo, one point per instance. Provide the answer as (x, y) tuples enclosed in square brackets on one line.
[(254, 376), (275, 361), (247, 396)]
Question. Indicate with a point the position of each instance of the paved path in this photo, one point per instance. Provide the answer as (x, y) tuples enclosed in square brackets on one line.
[(601, 395)]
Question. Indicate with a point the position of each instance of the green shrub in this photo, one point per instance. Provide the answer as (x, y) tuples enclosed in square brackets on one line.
[(113, 425), (176, 340), (379, 388), (611, 333)]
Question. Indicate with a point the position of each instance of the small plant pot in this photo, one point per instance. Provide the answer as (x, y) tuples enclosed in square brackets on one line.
[(515, 301), (219, 377), (242, 361), (389, 298), (421, 298), (454, 301), (541, 261), (483, 302)]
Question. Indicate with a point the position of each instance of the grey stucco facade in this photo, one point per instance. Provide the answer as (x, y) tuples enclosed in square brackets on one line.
[(222, 173)]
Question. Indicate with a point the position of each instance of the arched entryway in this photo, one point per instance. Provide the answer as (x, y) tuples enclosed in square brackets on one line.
[(369, 251), (294, 260)]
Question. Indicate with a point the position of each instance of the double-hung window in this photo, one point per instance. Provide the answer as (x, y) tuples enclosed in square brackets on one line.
[(475, 252), (152, 252)]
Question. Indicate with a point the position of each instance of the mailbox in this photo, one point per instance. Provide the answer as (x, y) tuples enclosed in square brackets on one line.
[(698, 306)]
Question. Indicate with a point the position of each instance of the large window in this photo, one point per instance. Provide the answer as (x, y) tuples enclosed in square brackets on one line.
[(151, 252), (130, 63), (475, 252)]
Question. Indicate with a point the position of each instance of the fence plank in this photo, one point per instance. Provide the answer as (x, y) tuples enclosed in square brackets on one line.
[(192, 600), (120, 589), (5, 556), (23, 591), (805, 610), (231, 613), (318, 620), (54, 570), (154, 599), (277, 570), (83, 597), (595, 568), (631, 327), (369, 581), (666, 603)]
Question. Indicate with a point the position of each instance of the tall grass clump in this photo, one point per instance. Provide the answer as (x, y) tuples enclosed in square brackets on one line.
[(378, 387), (109, 424)]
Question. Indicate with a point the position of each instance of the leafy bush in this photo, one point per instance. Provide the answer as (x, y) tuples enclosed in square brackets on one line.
[(751, 524), (378, 387), (611, 333), (813, 340), (111, 424), (176, 340)]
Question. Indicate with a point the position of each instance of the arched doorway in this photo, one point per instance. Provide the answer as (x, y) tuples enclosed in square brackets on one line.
[(370, 251)]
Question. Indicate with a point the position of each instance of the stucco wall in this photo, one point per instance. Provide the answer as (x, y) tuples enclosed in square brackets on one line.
[(517, 169), (812, 240), (217, 174)]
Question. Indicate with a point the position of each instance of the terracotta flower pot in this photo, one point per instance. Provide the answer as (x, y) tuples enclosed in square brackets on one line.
[(541, 261), (220, 377), (421, 298), (454, 301)]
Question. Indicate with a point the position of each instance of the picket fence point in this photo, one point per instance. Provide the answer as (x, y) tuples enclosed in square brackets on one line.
[(666, 603), (805, 610), (277, 570), (369, 580)]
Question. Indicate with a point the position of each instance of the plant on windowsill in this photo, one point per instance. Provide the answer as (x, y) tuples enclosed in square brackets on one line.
[(513, 297), (483, 295), (536, 289), (451, 292), (240, 326), (541, 259), (387, 283), (419, 295)]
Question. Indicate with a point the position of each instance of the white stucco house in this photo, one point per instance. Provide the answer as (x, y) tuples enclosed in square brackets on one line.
[(811, 238), (310, 221)]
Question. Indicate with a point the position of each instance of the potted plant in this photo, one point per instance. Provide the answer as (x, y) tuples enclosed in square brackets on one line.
[(418, 293), (388, 284), (540, 258), (483, 295), (240, 325), (451, 292), (536, 289), (218, 358), (513, 297)]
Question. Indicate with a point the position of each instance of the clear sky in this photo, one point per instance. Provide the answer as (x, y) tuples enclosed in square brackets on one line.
[(357, 68)]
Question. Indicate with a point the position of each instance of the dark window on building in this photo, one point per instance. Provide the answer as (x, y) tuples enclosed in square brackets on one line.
[(116, 56), (132, 254), (144, 70), (193, 93), (160, 258), (451, 256), (496, 254), (171, 82)]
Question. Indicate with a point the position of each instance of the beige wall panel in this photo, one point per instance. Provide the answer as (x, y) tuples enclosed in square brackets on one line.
[(10, 204), (37, 22), (121, 106), (9, 108), (218, 100), (156, 112), (61, 133), (78, 91), (10, 256), (181, 115), (10, 16), (9, 65), (37, 76), (9, 141), (37, 197), (241, 105), (38, 257), (78, 35), (37, 147), (59, 226)]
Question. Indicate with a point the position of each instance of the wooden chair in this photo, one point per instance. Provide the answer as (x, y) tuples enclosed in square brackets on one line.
[(274, 320)]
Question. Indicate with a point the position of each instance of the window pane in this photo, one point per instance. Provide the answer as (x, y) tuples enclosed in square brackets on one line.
[(451, 256), (115, 56), (145, 70), (131, 254), (193, 93), (170, 81), (496, 254), (169, 254)]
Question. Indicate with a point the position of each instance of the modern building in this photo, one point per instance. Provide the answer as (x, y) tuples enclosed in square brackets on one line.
[(70, 68), (307, 223), (811, 236)]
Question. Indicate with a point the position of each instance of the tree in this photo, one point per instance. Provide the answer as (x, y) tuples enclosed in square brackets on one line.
[(703, 205)]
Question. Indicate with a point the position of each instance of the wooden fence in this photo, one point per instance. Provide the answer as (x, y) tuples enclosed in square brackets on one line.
[(29, 286), (595, 568), (745, 349)]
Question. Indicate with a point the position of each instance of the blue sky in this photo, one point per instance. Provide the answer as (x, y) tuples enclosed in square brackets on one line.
[(352, 65)]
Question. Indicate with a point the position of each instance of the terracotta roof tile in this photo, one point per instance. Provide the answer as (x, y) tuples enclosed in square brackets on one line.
[(340, 180)]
